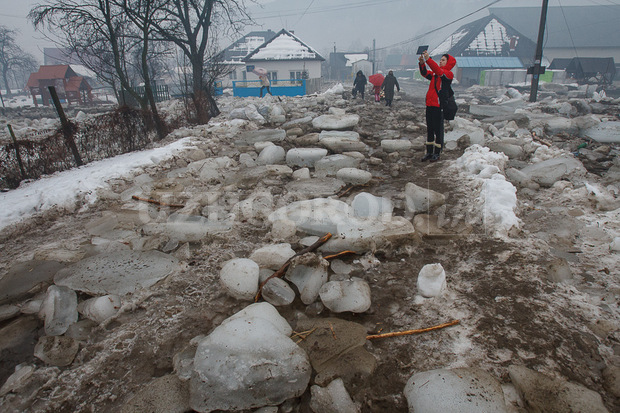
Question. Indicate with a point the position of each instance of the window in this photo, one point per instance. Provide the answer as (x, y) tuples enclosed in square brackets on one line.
[(298, 75), (273, 76), (233, 75), (245, 76)]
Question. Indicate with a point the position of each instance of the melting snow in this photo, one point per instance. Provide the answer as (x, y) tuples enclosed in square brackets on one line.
[(285, 47)]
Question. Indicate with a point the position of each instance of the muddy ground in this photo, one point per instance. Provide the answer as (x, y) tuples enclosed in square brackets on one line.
[(509, 311)]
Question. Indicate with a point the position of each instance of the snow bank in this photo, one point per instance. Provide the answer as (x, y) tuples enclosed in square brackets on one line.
[(63, 189)]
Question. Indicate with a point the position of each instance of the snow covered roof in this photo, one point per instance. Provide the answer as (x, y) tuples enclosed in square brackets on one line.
[(567, 27), (82, 70), (488, 36), (236, 52), (355, 57), (449, 43), (284, 46)]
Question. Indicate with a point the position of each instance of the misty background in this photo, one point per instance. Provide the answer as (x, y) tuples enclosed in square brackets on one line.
[(347, 25)]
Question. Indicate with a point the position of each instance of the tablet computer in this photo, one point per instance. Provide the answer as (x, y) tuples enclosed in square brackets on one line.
[(421, 49)]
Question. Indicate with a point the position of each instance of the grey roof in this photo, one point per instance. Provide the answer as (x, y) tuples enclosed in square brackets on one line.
[(237, 51), (583, 26), (489, 36)]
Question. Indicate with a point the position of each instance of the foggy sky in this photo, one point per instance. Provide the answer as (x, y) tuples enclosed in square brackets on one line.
[(349, 25)]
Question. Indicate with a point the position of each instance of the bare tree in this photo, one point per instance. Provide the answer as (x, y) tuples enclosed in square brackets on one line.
[(188, 24), (12, 58), (103, 36)]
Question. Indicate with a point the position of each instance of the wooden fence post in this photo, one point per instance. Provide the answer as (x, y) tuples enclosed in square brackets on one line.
[(19, 157), (66, 126)]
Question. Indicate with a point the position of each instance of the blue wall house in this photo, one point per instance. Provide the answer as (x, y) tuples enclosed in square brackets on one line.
[(293, 67)]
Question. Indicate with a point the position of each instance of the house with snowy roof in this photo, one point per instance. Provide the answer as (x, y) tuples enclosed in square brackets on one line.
[(234, 54), (286, 59), (285, 56), (487, 43)]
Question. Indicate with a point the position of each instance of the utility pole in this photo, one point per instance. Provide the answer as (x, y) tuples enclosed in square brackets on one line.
[(374, 55), (537, 69)]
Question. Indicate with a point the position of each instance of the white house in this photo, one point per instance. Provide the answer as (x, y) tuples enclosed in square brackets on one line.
[(234, 54), (285, 57)]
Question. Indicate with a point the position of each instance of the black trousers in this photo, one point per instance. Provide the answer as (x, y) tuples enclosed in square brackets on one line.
[(261, 90), (434, 128)]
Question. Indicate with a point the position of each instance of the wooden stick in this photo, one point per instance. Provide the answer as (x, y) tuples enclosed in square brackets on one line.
[(409, 332), (537, 139), (152, 201), (280, 273), (340, 254)]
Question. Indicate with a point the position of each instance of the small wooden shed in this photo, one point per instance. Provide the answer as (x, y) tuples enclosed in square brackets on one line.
[(69, 85)]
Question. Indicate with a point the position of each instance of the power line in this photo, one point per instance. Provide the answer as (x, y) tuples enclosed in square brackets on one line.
[(295, 12), (439, 28), (304, 13), (568, 28)]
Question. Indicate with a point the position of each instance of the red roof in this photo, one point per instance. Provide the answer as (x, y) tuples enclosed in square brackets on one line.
[(50, 72), (75, 83), (33, 80)]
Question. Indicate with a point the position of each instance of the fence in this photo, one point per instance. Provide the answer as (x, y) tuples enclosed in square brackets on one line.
[(121, 131), (288, 87), (159, 91)]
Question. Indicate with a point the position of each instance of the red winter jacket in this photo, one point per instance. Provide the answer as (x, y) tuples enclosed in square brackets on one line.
[(435, 77)]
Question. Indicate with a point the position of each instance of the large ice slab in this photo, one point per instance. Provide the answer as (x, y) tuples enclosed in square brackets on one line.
[(249, 361), (547, 172), (463, 390), (335, 122), (315, 216), (118, 272), (263, 135), (59, 309), (605, 132), (302, 157)]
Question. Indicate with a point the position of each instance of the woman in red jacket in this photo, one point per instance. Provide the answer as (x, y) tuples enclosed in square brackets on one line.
[(441, 73)]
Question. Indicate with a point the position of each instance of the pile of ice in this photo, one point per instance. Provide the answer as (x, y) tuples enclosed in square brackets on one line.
[(496, 196), (308, 273)]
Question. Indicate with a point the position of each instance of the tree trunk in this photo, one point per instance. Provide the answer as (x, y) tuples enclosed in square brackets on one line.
[(160, 127), (206, 107), (6, 82)]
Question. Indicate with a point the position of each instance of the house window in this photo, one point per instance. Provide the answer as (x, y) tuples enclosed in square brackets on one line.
[(295, 75), (245, 76), (233, 75), (273, 76)]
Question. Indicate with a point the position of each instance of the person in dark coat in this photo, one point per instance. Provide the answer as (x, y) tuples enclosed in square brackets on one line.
[(359, 84), (440, 73), (388, 87)]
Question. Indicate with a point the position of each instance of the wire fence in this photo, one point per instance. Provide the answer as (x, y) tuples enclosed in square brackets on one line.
[(120, 131)]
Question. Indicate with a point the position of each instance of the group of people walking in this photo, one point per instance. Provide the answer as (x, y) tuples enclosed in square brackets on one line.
[(440, 76), (387, 87)]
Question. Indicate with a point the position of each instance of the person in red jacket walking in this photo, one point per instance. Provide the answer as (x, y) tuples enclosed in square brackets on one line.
[(441, 73)]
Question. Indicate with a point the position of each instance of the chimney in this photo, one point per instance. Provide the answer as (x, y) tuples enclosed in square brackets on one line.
[(513, 43)]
